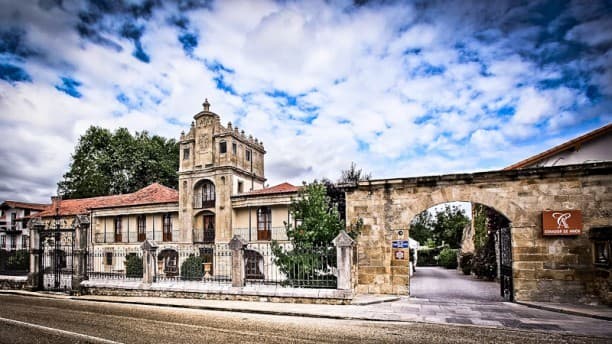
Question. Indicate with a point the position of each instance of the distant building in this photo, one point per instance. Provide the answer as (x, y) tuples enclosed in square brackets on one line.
[(14, 233), (588, 148)]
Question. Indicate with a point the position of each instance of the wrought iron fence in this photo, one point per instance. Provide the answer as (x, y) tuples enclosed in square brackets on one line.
[(274, 233), (135, 237), (15, 262), (115, 263), (313, 267), (212, 264)]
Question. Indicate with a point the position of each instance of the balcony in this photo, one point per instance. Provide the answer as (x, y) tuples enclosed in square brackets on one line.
[(274, 233), (10, 229), (135, 237), (203, 236), (199, 203)]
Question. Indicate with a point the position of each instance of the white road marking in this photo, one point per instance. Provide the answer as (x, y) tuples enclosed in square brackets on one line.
[(58, 331)]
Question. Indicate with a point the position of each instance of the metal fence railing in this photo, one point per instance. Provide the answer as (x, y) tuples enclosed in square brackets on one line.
[(135, 237), (211, 264), (313, 267), (115, 263), (274, 233)]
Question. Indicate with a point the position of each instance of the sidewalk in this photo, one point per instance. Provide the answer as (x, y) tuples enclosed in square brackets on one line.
[(388, 308)]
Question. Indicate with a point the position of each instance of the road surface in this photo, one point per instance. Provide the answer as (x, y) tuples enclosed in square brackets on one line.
[(26, 319)]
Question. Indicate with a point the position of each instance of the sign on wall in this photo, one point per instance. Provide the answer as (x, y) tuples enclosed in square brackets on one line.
[(561, 222)]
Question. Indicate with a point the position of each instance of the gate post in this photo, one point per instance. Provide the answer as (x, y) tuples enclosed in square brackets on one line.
[(79, 258), (149, 261), (344, 253), (237, 245), (34, 276)]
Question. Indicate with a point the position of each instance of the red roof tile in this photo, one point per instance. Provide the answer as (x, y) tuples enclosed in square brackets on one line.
[(152, 194), (277, 189), (23, 205)]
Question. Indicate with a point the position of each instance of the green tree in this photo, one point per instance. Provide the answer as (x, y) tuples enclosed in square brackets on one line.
[(310, 259), (421, 227), (449, 224), (106, 163)]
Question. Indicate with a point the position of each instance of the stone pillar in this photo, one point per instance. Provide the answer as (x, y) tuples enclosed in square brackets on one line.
[(79, 255), (344, 253), (35, 275), (149, 261), (237, 245)]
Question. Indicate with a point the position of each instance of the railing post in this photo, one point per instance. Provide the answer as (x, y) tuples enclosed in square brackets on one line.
[(79, 255), (149, 261), (34, 276), (237, 245), (344, 253)]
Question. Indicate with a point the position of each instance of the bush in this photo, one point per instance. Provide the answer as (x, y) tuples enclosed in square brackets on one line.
[(448, 258), (465, 262), (427, 256), (192, 268), (133, 266)]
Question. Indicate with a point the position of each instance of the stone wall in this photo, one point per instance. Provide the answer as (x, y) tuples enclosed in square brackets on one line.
[(544, 268), (13, 282)]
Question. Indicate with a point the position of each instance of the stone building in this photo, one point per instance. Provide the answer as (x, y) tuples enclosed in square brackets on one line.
[(14, 232)]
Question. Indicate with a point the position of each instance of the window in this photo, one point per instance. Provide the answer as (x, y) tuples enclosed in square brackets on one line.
[(222, 147), (109, 258), (167, 234), (602, 239), (118, 229), (141, 224), (254, 264), (13, 243), (208, 228), (25, 242), (234, 148), (186, 153), (13, 221), (3, 241), (208, 195), (248, 155), (240, 186), (264, 223), (26, 212)]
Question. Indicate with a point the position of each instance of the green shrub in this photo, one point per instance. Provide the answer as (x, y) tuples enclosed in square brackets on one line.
[(18, 260), (448, 258), (427, 256), (465, 262), (485, 264), (192, 268), (133, 266)]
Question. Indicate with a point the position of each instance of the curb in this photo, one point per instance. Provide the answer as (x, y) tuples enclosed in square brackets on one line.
[(564, 311)]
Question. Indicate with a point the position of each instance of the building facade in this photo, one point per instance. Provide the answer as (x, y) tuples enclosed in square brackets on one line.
[(14, 232)]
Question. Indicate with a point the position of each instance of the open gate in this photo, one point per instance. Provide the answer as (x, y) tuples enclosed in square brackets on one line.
[(56, 263), (505, 250)]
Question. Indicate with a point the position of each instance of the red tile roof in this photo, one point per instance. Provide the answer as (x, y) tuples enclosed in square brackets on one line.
[(152, 194), (277, 189), (23, 205), (562, 147)]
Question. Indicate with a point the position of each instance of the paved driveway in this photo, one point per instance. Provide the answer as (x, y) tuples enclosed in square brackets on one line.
[(436, 283)]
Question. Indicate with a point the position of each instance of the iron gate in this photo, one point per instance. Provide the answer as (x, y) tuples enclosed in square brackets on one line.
[(505, 252), (56, 263)]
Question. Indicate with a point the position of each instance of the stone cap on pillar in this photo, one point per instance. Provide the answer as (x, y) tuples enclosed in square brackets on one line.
[(343, 240), (237, 243), (149, 245), (81, 220)]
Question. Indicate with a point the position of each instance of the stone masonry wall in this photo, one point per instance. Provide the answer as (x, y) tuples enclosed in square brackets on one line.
[(544, 268)]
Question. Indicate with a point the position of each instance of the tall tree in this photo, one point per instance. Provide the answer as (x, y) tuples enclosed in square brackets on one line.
[(421, 227), (449, 224), (106, 163)]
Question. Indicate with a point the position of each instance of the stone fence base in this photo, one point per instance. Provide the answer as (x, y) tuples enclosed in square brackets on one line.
[(13, 282), (195, 290)]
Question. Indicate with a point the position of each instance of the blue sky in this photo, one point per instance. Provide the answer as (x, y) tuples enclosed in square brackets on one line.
[(402, 88)]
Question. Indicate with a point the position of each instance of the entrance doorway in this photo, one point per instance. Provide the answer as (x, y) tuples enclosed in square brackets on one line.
[(465, 252)]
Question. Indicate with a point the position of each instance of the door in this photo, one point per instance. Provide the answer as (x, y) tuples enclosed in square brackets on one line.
[(505, 256)]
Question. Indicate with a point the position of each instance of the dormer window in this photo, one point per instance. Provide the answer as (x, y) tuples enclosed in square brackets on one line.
[(186, 153), (248, 155), (222, 147), (234, 148)]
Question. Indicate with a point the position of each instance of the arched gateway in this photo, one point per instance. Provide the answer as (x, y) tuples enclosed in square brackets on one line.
[(546, 268)]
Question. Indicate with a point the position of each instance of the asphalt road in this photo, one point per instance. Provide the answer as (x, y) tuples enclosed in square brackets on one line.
[(44, 320), (437, 283)]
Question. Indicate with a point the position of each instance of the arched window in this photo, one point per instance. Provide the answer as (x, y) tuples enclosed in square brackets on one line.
[(208, 228), (254, 265), (264, 223), (208, 195)]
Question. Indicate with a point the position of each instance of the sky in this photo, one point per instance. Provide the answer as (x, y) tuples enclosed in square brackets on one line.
[(401, 88)]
